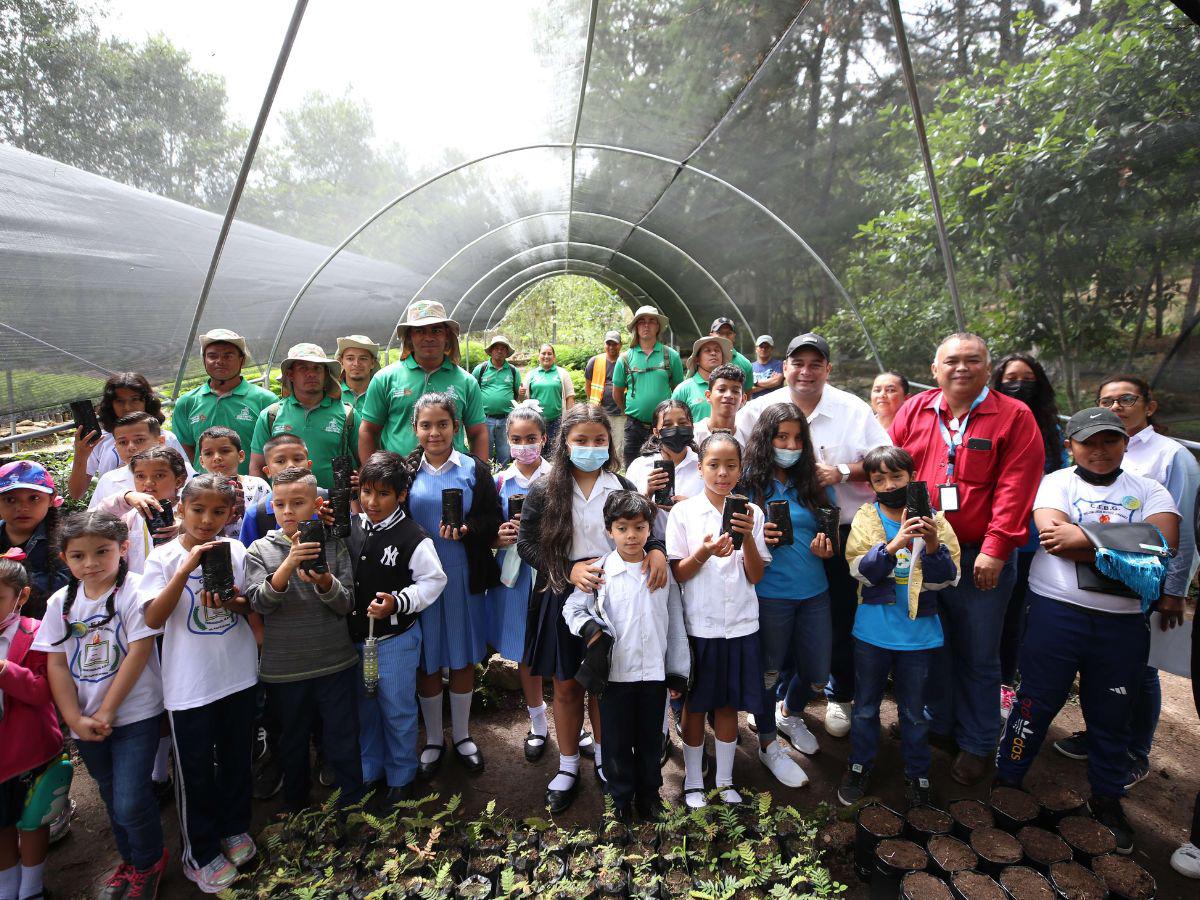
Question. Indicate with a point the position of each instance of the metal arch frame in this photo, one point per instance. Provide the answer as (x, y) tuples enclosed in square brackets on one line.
[(583, 83), (691, 259), (558, 145)]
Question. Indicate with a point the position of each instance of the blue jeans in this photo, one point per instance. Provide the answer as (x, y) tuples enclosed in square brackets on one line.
[(911, 670), (387, 722), (1109, 654), (1147, 706), (498, 439), (843, 593), (800, 631), (121, 765), (963, 699)]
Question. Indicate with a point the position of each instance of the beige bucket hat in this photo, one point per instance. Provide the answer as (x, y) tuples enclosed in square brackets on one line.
[(223, 336), (423, 313), (500, 339), (663, 322), (724, 343), (358, 342), (313, 354)]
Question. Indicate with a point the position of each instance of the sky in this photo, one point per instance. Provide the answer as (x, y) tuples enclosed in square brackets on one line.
[(467, 75)]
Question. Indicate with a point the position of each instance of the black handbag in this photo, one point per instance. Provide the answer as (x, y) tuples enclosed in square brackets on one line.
[(1137, 538)]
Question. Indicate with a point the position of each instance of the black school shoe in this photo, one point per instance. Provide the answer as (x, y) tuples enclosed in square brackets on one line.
[(426, 770), (1107, 811), (472, 762), (560, 801), (535, 746)]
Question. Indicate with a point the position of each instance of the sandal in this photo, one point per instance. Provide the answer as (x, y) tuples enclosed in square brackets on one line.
[(426, 770), (535, 746), (560, 801)]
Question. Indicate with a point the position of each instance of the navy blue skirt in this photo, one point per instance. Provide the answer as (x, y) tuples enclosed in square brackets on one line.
[(551, 651), (726, 672)]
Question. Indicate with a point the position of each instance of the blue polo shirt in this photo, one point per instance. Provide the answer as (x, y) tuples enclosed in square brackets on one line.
[(795, 572)]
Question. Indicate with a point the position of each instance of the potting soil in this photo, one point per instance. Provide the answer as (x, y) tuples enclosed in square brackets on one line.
[(1025, 884), (880, 821), (923, 886), (1057, 797), (996, 845), (1087, 835), (930, 820), (901, 854), (971, 814), (1074, 882), (1043, 846), (1123, 876), (1015, 804), (951, 854), (977, 886)]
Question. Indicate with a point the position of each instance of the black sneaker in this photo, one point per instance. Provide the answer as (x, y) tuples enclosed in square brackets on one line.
[(1107, 811), (854, 785), (325, 773), (1073, 747), (268, 779), (261, 748), (917, 792)]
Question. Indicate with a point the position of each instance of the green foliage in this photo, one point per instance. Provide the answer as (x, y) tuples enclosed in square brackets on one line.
[(564, 310)]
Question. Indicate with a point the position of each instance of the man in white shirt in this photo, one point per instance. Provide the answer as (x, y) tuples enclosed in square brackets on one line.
[(843, 430)]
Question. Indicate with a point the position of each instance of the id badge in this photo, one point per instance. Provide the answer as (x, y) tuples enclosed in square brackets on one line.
[(948, 497)]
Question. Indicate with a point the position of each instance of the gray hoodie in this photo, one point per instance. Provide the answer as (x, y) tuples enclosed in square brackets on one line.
[(305, 634)]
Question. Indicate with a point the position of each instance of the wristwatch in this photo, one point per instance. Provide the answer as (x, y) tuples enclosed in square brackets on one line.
[(845, 470)]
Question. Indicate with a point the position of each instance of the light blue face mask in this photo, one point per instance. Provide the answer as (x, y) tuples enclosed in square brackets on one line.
[(785, 459), (589, 459)]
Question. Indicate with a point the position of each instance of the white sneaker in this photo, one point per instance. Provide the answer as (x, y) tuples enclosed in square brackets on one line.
[(752, 721), (1186, 860), (782, 766), (695, 799), (213, 878), (837, 719), (794, 729), (729, 795)]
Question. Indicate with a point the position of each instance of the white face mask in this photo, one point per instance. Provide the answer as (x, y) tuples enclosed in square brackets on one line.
[(6, 623)]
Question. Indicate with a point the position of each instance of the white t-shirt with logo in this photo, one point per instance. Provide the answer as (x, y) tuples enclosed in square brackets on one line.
[(1131, 498), (95, 657), (207, 653)]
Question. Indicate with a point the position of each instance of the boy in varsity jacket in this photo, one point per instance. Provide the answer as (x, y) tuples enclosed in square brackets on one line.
[(396, 575)]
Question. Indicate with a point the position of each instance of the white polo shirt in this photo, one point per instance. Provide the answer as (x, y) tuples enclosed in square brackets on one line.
[(718, 601), (843, 429)]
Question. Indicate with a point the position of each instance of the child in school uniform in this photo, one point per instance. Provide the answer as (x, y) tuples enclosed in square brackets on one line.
[(397, 574), (508, 602), (673, 439), (131, 435), (220, 452), (564, 550), (721, 611), (284, 451), (159, 474), (454, 628), (636, 650)]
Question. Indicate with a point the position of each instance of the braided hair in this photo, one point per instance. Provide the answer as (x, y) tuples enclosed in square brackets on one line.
[(92, 524)]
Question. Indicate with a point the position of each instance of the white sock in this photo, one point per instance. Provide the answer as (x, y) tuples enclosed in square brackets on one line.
[(460, 720), (565, 764), (160, 773), (537, 720), (725, 753), (667, 717), (10, 882), (693, 766), (431, 715), (31, 880), (599, 761)]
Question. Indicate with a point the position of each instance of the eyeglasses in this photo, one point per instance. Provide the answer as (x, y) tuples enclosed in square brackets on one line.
[(1124, 401)]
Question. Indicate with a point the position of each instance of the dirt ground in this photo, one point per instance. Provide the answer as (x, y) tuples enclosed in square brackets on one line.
[(1160, 807)]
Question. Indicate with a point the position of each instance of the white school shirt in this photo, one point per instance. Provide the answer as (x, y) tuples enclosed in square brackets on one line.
[(703, 429), (638, 617), (512, 473), (843, 429), (718, 601), (590, 539), (95, 658), (104, 456), (254, 489), (207, 653), (687, 482), (6, 638), (1131, 498), (113, 483)]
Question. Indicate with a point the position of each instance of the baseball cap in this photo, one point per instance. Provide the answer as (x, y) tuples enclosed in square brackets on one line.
[(1093, 420), (717, 323), (764, 339), (810, 341), (27, 475), (612, 337)]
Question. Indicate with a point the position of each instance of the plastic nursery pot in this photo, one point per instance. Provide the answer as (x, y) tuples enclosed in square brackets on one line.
[(475, 887), (969, 815), (549, 870), (612, 883), (923, 822), (1023, 883), (551, 843), (948, 855), (1058, 801), (1126, 880), (996, 849), (1073, 882), (973, 885), (923, 886), (895, 858), (676, 882), (1043, 848), (873, 824), (1013, 808), (1087, 838)]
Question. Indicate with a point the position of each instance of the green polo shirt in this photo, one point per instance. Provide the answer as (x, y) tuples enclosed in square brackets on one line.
[(200, 409), (358, 399), (692, 393), (322, 428), (498, 386), (648, 379), (747, 369), (546, 387), (393, 394)]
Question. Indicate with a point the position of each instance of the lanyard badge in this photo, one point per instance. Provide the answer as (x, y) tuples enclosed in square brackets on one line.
[(948, 492)]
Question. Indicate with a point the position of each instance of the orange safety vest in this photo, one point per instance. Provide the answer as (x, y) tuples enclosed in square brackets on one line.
[(595, 387)]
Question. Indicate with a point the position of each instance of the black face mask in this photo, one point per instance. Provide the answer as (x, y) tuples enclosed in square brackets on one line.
[(1025, 391), (895, 498), (676, 437), (1092, 478)]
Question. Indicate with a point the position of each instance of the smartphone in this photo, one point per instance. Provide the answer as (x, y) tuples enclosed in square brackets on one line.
[(664, 494), (917, 502), (452, 507), (734, 504), (828, 520), (779, 512), (84, 415), (515, 502), (313, 532), (162, 519), (341, 495), (216, 566)]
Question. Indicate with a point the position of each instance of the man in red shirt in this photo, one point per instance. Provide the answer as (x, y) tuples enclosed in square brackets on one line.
[(981, 454)]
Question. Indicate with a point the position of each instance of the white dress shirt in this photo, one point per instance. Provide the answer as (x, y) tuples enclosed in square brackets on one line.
[(687, 482), (718, 601), (454, 459), (843, 429), (590, 539)]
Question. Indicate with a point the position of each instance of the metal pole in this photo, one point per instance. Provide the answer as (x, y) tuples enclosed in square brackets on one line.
[(264, 113), (12, 401), (914, 102)]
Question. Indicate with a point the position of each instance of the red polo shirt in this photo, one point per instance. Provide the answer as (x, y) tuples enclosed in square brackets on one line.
[(996, 483)]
